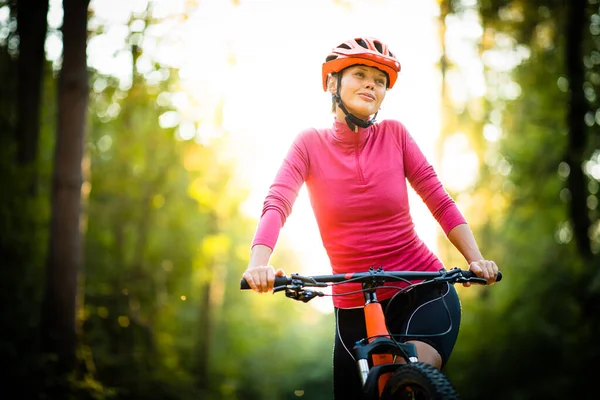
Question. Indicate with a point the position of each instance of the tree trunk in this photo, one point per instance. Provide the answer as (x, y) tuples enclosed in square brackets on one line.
[(206, 318), (64, 252), (8, 89), (577, 108), (204, 337), (32, 23)]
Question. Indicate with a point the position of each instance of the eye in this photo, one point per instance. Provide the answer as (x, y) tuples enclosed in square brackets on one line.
[(359, 73), (381, 81)]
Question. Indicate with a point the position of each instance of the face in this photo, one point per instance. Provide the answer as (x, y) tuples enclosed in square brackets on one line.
[(363, 90)]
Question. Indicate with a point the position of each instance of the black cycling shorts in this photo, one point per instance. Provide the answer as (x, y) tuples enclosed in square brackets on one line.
[(432, 310)]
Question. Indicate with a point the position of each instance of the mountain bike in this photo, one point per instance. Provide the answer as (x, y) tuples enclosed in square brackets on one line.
[(382, 376)]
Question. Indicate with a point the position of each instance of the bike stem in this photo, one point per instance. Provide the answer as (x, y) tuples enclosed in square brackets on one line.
[(376, 328)]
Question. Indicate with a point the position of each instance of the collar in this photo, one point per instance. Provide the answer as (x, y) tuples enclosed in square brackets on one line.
[(342, 133)]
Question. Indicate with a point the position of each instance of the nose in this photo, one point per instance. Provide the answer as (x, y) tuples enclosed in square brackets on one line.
[(370, 83)]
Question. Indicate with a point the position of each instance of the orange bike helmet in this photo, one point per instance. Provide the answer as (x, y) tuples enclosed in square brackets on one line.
[(366, 51)]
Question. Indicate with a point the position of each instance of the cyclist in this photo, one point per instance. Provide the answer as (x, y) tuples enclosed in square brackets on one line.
[(356, 173)]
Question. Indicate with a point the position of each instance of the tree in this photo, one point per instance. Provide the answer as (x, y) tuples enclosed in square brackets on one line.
[(544, 106), (22, 201), (577, 107), (58, 325), (32, 25)]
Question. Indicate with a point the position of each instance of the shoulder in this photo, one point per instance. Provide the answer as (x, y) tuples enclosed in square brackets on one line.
[(306, 141), (309, 133), (392, 125), (392, 130), (310, 136)]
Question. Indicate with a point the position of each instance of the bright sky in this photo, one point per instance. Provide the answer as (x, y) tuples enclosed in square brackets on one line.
[(275, 85), (262, 60)]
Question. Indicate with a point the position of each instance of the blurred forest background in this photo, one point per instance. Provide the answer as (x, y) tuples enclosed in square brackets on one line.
[(122, 242)]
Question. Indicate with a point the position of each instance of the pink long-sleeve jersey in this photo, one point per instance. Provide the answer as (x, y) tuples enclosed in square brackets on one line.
[(357, 185)]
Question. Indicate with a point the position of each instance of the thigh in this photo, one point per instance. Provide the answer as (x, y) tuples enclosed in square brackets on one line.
[(350, 327), (430, 314)]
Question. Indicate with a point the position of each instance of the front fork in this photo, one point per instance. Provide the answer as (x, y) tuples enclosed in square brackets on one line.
[(382, 346), (378, 345)]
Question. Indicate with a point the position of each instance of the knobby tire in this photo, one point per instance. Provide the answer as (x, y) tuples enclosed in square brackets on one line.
[(419, 381)]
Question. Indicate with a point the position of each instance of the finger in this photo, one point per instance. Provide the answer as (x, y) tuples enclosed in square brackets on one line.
[(476, 269), (485, 270), (270, 279), (257, 275), (250, 279), (264, 284), (254, 279), (475, 266), (492, 273), (495, 271)]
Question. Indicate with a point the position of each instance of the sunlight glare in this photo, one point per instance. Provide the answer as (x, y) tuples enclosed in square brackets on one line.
[(459, 164), (257, 65), (272, 89)]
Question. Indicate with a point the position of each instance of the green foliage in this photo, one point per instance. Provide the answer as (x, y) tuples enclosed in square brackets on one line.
[(280, 346), (162, 316), (24, 213), (165, 248), (141, 243), (529, 336)]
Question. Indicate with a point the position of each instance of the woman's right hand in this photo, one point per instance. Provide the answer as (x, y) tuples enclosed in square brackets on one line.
[(262, 278)]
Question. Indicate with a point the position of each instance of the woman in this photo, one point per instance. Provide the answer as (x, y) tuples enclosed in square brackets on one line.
[(356, 174)]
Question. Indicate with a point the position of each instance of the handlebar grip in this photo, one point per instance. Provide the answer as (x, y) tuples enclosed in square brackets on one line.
[(470, 274), (279, 281)]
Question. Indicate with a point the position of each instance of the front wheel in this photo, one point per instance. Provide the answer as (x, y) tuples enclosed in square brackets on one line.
[(418, 381)]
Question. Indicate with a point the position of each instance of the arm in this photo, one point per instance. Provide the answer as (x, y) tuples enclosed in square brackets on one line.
[(462, 238), (282, 194), (277, 207), (260, 256), (424, 180), (260, 275)]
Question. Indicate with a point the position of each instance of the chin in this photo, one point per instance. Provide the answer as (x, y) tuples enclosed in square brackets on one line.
[(366, 118), (363, 114)]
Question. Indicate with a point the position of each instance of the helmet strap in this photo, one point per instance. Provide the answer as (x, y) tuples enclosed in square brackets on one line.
[(352, 120)]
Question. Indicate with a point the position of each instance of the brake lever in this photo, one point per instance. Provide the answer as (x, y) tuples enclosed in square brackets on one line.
[(302, 295), (455, 274), (476, 280), (306, 281), (279, 288), (297, 284)]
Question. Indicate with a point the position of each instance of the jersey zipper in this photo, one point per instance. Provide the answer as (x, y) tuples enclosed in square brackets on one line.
[(361, 177)]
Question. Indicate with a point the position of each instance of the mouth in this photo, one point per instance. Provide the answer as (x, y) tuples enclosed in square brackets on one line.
[(367, 96)]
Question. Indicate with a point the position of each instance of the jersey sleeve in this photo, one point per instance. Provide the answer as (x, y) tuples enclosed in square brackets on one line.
[(283, 193), (424, 180)]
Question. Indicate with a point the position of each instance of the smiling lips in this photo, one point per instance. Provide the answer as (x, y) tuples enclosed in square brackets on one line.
[(367, 96)]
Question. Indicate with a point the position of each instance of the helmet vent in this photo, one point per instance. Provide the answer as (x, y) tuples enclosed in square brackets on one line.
[(366, 51), (362, 43), (378, 47)]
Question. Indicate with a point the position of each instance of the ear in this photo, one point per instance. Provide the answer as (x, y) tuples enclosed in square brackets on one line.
[(332, 83)]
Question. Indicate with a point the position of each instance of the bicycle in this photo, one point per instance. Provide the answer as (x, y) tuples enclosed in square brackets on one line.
[(382, 377)]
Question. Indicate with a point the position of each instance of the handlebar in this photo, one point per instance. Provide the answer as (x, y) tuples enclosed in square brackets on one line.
[(454, 275)]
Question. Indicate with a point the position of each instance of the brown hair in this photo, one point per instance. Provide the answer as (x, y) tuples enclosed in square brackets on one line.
[(333, 102)]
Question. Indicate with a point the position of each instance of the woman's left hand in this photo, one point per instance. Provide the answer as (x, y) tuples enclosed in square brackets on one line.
[(485, 269)]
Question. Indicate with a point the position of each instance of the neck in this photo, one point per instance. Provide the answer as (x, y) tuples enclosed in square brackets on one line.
[(341, 116)]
